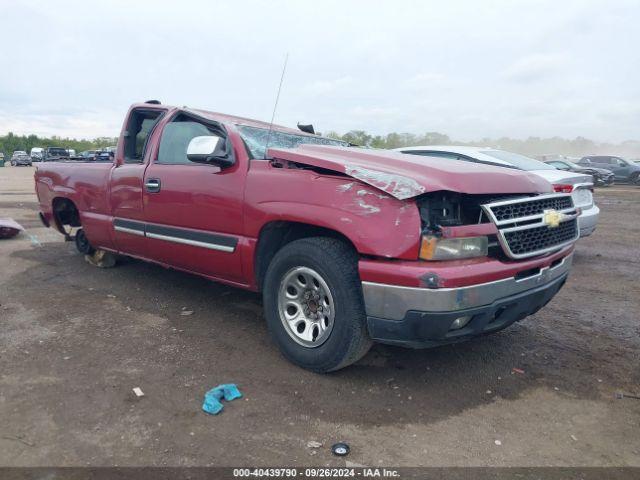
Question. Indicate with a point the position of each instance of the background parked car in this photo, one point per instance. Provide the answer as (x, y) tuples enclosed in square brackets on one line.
[(20, 158), (555, 156), (578, 184), (89, 154), (601, 176), (104, 157), (624, 170), (53, 154), (36, 154)]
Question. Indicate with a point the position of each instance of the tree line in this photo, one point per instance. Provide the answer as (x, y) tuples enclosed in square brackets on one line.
[(531, 146), (10, 142)]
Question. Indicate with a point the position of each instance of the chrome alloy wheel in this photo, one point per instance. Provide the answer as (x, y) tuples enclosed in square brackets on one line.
[(306, 307)]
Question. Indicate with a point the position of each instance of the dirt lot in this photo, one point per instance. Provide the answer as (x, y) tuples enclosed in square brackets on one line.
[(75, 340)]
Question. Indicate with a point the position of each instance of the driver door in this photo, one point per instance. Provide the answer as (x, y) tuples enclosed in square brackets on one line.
[(620, 168), (193, 211)]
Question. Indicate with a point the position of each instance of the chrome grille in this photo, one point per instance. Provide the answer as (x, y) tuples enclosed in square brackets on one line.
[(524, 231), (532, 239), (533, 207)]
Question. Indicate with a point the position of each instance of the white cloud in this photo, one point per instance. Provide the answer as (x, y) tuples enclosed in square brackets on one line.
[(536, 67), (86, 125), (424, 80), (324, 87), (507, 69), (362, 111)]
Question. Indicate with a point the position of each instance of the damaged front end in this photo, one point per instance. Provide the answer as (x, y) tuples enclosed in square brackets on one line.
[(459, 226), (455, 227)]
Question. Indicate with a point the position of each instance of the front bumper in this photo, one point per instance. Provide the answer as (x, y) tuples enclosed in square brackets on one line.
[(588, 220), (604, 180), (422, 317)]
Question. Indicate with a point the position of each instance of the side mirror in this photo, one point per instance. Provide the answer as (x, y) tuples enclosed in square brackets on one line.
[(209, 149)]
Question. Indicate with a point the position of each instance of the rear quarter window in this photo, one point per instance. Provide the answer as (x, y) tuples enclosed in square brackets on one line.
[(139, 126)]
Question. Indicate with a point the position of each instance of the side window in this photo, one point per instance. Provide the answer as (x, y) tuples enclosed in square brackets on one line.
[(141, 122), (176, 137)]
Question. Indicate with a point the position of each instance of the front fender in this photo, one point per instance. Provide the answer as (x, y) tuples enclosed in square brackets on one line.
[(376, 223)]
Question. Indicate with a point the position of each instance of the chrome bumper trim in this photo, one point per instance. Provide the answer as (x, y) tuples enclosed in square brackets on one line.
[(393, 302), (588, 220)]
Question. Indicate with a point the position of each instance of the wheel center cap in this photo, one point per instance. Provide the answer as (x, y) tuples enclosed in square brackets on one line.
[(313, 306)]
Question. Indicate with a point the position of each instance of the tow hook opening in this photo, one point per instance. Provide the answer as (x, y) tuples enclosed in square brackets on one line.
[(527, 273), (496, 316)]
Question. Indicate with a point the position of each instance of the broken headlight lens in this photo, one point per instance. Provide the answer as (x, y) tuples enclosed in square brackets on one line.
[(435, 248)]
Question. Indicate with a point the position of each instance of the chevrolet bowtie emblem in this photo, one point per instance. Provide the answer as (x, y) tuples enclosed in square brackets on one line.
[(552, 218)]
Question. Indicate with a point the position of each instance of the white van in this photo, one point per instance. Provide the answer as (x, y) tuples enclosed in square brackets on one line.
[(36, 154)]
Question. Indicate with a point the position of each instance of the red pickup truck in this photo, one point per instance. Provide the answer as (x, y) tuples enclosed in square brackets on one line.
[(347, 245)]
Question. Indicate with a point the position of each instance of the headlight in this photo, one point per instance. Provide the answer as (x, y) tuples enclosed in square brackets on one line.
[(582, 197), (435, 248)]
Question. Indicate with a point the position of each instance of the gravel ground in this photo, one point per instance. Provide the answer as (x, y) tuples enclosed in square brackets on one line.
[(75, 340)]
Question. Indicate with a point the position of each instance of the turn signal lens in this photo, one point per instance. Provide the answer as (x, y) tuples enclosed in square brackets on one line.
[(435, 248), (562, 188)]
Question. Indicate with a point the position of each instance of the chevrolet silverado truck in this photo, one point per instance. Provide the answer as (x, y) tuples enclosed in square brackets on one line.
[(347, 246)]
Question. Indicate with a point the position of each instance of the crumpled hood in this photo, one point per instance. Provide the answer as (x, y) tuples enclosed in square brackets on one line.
[(404, 176)]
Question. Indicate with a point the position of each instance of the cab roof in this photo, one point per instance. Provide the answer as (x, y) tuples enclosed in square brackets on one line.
[(223, 118)]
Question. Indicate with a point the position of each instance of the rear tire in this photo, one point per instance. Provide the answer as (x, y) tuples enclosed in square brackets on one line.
[(313, 304)]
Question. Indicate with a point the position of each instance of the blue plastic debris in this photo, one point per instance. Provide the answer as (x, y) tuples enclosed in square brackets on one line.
[(228, 391)]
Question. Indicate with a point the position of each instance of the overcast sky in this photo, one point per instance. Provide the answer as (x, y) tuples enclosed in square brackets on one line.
[(470, 69)]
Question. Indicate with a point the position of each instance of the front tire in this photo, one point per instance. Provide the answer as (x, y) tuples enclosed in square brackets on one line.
[(313, 304)]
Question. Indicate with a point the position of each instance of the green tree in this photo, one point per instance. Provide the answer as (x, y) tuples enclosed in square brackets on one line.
[(530, 146), (357, 137)]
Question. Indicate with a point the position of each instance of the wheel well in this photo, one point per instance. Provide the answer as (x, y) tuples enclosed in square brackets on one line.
[(276, 235), (65, 212)]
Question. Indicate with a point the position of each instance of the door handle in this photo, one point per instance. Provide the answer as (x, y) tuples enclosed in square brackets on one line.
[(152, 185)]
